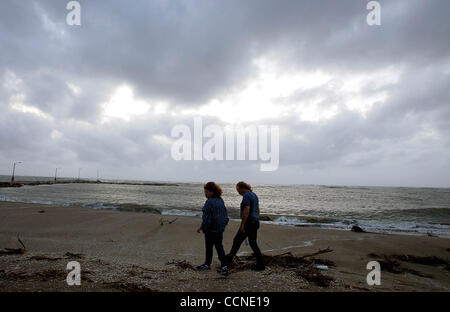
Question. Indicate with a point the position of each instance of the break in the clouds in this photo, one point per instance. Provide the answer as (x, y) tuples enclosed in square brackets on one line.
[(356, 104)]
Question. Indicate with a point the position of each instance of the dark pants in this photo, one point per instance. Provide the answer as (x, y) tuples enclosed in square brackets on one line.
[(214, 239), (251, 230)]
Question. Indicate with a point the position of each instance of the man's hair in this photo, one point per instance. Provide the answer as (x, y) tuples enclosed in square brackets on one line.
[(243, 185), (213, 187)]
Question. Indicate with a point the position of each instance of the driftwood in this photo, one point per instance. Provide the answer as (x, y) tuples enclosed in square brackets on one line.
[(288, 260), (319, 252), (74, 255), (14, 251), (301, 265), (162, 221), (430, 260), (11, 251), (44, 258), (392, 263)]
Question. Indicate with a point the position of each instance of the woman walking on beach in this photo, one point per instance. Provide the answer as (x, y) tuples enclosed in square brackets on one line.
[(249, 225), (214, 221)]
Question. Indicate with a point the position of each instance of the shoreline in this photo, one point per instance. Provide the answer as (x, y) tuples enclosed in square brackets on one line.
[(70, 181), (265, 218), (135, 251)]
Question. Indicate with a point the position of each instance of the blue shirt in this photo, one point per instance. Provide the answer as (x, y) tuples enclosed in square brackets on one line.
[(250, 199), (215, 216)]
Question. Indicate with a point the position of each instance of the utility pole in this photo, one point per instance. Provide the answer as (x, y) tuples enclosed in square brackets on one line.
[(14, 171), (56, 173)]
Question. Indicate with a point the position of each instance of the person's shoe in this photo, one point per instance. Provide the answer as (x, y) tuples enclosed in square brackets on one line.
[(203, 267), (223, 270), (259, 267)]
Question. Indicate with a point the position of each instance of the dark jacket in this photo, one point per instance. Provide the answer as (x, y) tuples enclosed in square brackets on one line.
[(215, 216)]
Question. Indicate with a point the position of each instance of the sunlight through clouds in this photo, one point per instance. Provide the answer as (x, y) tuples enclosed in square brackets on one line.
[(31, 110), (273, 94), (123, 105)]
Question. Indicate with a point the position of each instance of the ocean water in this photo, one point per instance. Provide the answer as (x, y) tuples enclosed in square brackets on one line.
[(381, 209)]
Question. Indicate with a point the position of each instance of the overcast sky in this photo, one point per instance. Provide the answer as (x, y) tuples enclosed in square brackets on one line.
[(356, 104)]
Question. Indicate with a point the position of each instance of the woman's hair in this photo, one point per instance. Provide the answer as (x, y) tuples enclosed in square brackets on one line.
[(243, 185), (213, 187)]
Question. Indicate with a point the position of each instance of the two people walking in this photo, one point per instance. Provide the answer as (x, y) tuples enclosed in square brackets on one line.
[(215, 219)]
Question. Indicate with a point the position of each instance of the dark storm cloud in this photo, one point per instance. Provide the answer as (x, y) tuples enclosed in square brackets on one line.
[(160, 47), (187, 52)]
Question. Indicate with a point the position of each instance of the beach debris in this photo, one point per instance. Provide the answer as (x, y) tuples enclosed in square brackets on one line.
[(141, 274), (429, 260), (51, 274), (46, 275), (14, 251), (319, 252), (390, 264), (74, 255), (288, 260), (128, 286), (162, 221), (357, 229), (21, 243), (322, 267), (13, 276), (41, 211), (313, 275), (181, 264), (301, 265), (326, 262), (44, 258)]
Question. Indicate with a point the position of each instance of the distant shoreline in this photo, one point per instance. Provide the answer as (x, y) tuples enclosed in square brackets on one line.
[(31, 183)]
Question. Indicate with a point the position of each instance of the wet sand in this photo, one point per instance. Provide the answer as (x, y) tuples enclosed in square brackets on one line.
[(126, 251)]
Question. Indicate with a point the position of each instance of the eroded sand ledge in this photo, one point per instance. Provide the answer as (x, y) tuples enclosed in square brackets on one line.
[(130, 251)]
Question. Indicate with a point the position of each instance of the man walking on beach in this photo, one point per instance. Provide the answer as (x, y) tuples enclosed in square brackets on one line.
[(249, 225)]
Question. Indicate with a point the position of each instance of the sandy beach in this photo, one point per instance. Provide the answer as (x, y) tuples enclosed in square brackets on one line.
[(126, 251)]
